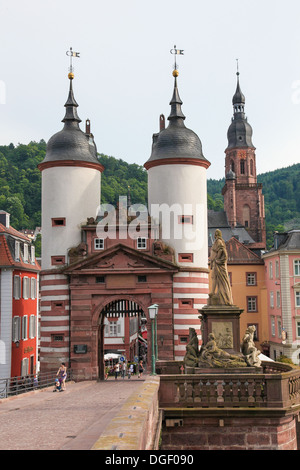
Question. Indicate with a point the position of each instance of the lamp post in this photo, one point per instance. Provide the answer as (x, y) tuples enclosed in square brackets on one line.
[(153, 309)]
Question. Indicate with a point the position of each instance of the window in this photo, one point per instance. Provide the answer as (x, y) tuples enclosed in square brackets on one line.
[(185, 303), (185, 219), (26, 287), (142, 278), (252, 304), (183, 339), (33, 288), (277, 268), (272, 299), (99, 243), (251, 167), (297, 300), (278, 299), (185, 257), (297, 267), (58, 222), (298, 328), (57, 338), (141, 243), (16, 329), (251, 279), (113, 329), (100, 279), (32, 254), (17, 251), (271, 270), (32, 326), (24, 327), (279, 330), (242, 167), (25, 253), (57, 260), (17, 287), (273, 326)]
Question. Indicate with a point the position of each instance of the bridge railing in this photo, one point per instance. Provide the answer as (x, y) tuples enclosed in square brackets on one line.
[(273, 388), (21, 384)]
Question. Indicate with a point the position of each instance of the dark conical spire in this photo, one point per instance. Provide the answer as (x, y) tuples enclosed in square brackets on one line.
[(176, 112), (240, 132), (71, 105), (238, 99)]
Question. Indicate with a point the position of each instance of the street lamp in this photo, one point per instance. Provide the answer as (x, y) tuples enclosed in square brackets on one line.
[(153, 309)]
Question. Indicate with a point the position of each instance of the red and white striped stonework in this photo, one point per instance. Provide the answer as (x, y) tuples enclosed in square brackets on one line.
[(190, 293), (54, 311)]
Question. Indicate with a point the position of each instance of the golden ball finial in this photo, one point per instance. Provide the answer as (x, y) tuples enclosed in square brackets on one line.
[(175, 73), (71, 75)]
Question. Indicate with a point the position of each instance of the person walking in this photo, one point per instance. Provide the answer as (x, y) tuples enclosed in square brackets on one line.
[(117, 370), (123, 370), (141, 369)]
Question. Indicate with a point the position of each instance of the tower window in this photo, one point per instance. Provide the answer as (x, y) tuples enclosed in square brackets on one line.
[(242, 167), (251, 168), (185, 219), (185, 257), (58, 222), (55, 260)]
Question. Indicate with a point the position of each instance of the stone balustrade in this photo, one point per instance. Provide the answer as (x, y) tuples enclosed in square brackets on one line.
[(275, 386)]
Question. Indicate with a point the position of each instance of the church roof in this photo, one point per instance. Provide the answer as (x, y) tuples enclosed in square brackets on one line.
[(218, 220)]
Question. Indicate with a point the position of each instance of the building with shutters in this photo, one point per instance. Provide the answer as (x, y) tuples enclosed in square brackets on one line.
[(19, 303)]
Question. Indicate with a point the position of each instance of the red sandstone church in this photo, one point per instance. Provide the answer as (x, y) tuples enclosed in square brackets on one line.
[(101, 264)]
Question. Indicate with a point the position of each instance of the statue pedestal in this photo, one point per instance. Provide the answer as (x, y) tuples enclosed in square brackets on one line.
[(224, 322)]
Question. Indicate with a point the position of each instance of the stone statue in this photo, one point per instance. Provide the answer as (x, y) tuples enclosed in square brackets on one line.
[(248, 348), (220, 290), (212, 356), (192, 349)]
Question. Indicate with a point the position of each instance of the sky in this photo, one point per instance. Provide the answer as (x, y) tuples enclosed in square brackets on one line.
[(123, 77)]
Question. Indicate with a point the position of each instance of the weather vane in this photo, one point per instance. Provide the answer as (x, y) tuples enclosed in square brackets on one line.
[(176, 52), (71, 54), (237, 67)]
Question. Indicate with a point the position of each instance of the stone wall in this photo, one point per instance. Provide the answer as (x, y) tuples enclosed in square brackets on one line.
[(137, 425), (210, 433)]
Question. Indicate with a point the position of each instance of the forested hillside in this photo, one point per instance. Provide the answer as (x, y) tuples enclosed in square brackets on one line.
[(20, 187)]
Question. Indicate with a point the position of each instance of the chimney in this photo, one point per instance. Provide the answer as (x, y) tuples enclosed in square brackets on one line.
[(5, 219)]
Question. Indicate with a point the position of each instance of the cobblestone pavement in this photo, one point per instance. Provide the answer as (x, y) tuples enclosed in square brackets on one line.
[(71, 420)]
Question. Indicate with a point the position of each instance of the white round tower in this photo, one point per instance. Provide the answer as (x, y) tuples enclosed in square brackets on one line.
[(71, 185), (177, 199), (177, 187)]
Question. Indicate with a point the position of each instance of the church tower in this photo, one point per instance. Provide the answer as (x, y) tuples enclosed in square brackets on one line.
[(177, 200), (243, 198)]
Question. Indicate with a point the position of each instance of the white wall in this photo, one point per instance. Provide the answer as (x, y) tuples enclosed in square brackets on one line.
[(70, 192), (185, 186)]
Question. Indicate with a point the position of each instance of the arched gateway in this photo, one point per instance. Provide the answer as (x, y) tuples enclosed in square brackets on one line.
[(120, 325)]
